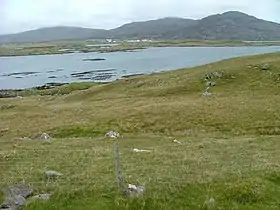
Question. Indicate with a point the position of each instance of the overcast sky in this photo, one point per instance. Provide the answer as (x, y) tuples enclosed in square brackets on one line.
[(21, 15)]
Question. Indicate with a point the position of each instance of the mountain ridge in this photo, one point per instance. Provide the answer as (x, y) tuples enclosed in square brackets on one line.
[(230, 25)]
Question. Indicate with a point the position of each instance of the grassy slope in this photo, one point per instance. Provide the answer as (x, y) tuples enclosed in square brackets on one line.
[(230, 142)]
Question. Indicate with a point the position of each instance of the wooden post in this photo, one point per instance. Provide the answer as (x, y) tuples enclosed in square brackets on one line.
[(118, 168)]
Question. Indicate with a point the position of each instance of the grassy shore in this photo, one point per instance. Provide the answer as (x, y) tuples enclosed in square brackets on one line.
[(229, 151), (64, 47)]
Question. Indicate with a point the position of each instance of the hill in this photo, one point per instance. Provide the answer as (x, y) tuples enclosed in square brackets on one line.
[(230, 26), (153, 29), (52, 34), (227, 26), (229, 150)]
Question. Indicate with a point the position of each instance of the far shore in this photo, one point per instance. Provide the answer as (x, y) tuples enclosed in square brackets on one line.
[(67, 47)]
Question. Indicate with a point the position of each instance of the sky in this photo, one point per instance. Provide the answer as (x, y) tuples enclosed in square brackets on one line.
[(22, 15)]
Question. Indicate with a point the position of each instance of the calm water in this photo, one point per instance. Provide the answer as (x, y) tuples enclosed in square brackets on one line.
[(30, 71)]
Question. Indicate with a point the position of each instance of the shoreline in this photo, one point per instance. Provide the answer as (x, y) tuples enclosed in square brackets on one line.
[(15, 50)]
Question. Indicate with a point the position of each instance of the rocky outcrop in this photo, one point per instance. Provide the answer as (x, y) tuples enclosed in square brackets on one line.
[(16, 197), (4, 94)]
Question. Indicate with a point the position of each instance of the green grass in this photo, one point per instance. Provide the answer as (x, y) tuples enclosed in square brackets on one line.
[(58, 90), (229, 151)]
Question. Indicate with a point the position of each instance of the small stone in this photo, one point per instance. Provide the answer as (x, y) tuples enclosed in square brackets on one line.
[(265, 67), (176, 141), (211, 84), (52, 174), (43, 197), (141, 150), (217, 74), (45, 137), (134, 191), (112, 134), (207, 94)]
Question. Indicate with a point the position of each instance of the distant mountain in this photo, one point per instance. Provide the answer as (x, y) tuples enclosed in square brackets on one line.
[(227, 26), (52, 34), (150, 29)]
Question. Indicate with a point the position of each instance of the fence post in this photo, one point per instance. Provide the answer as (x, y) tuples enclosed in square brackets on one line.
[(119, 178)]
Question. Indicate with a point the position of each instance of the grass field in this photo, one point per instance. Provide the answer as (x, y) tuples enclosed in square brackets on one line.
[(230, 141)]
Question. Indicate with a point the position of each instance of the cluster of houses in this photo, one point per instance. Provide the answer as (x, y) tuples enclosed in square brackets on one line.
[(129, 40)]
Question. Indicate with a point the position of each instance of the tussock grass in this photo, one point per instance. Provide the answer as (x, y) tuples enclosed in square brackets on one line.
[(229, 151)]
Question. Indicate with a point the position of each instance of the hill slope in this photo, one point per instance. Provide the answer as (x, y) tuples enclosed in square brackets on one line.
[(227, 26)]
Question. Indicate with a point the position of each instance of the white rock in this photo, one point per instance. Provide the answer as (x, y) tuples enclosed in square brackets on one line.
[(112, 134), (135, 191), (176, 141), (207, 94), (140, 150), (45, 137), (53, 174)]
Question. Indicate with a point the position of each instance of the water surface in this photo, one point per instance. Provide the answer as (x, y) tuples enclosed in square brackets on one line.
[(29, 71)]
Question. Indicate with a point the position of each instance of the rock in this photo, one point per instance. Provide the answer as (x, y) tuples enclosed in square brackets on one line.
[(207, 94), (14, 203), (43, 197), (3, 132), (53, 174), (140, 150), (211, 84), (215, 74), (45, 137), (94, 59), (112, 134), (48, 86), (15, 197), (265, 67), (7, 95), (134, 191), (20, 189), (176, 141)]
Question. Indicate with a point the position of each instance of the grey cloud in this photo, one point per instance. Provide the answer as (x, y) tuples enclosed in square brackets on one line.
[(20, 15)]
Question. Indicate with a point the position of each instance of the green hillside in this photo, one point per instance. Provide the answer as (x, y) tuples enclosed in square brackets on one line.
[(229, 147)]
